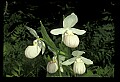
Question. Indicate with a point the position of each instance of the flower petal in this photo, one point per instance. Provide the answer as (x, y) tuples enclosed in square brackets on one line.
[(70, 40), (86, 61), (70, 21), (52, 67), (35, 42), (32, 51), (77, 53), (79, 67), (69, 61), (43, 47), (33, 32), (57, 31), (77, 31), (61, 58), (61, 69)]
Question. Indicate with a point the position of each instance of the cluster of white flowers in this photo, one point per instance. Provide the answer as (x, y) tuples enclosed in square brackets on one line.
[(78, 62), (70, 39)]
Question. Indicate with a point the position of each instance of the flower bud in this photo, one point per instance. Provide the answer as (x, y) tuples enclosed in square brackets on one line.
[(79, 66), (52, 67), (70, 39)]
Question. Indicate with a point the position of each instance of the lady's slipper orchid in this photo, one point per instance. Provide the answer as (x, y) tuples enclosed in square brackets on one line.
[(33, 51), (38, 44), (69, 22), (52, 66), (79, 66), (70, 39), (79, 62), (61, 58)]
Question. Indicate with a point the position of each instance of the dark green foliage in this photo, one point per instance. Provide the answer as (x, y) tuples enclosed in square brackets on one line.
[(16, 39), (98, 41)]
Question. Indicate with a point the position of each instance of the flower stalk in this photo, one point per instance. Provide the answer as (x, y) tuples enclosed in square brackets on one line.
[(58, 64)]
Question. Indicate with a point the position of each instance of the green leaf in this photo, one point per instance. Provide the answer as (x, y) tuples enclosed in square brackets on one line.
[(63, 49), (105, 18), (9, 76), (46, 37), (14, 73), (88, 74), (108, 27), (62, 53), (16, 69), (48, 58)]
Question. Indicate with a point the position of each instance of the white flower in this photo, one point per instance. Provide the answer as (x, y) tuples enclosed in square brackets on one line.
[(38, 45), (79, 62), (61, 58), (52, 66), (79, 66), (33, 51), (69, 22), (70, 39)]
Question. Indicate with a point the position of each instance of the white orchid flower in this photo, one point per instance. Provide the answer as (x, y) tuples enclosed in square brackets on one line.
[(38, 45), (79, 66), (61, 58), (68, 33), (33, 51), (52, 66), (70, 39), (79, 62)]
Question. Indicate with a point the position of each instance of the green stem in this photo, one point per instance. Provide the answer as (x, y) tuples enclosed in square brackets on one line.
[(69, 52), (58, 64)]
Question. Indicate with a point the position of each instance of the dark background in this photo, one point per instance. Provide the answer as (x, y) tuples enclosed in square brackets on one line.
[(86, 10)]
